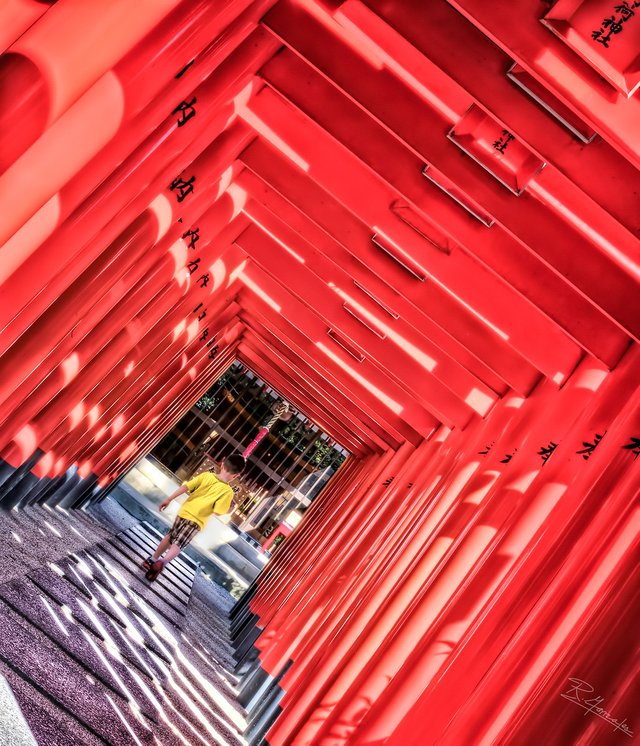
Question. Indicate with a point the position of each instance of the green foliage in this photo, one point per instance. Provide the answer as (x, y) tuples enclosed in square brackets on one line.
[(291, 432), (208, 402), (214, 395), (325, 455)]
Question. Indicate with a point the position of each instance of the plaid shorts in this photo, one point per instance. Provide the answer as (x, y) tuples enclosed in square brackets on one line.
[(183, 531)]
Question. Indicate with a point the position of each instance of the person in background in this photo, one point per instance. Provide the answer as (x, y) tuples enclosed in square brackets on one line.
[(209, 493)]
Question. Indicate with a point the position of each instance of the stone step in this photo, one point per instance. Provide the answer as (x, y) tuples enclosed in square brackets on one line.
[(105, 656), (155, 596), (172, 578), (158, 534), (97, 617), (24, 599), (148, 540), (50, 670)]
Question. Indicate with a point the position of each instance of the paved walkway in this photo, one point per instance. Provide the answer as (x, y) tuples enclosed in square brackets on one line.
[(92, 653)]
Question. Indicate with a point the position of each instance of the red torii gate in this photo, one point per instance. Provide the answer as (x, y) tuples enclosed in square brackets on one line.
[(419, 223)]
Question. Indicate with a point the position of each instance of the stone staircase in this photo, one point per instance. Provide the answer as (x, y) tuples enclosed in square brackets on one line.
[(92, 653)]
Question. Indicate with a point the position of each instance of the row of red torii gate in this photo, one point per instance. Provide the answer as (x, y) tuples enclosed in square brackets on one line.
[(418, 222)]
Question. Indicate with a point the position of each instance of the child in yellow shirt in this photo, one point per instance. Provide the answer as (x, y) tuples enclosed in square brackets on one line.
[(209, 493)]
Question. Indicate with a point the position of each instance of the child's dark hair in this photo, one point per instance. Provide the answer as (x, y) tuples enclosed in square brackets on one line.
[(235, 463)]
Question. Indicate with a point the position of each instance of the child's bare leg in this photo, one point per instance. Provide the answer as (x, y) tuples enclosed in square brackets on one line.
[(174, 551), (161, 548)]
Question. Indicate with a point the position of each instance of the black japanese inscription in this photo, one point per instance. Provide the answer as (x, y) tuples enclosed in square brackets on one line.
[(589, 448), (184, 69), (486, 449), (634, 446), (501, 144), (193, 236), (547, 451), (182, 187), (185, 111), (614, 24)]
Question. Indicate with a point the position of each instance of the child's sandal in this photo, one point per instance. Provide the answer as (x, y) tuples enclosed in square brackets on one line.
[(146, 564), (156, 568)]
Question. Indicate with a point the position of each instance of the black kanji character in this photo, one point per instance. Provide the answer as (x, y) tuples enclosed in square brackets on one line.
[(501, 144), (213, 352), (184, 69), (192, 266), (508, 457), (600, 38), (193, 236), (625, 11), (185, 110), (212, 340), (589, 448), (202, 315), (546, 452), (613, 24), (204, 335), (486, 450), (197, 307), (203, 280), (184, 187), (388, 481), (634, 446)]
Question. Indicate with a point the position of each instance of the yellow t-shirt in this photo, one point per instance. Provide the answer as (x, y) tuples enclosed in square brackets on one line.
[(207, 495)]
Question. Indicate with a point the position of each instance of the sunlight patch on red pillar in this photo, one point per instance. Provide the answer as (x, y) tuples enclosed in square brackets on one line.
[(178, 252), (70, 367), (161, 208), (590, 378), (475, 497), (393, 405), (76, 414), (239, 198), (626, 538), (624, 261), (93, 414), (237, 272), (479, 401), (378, 27), (42, 467), (416, 353), (354, 39), (119, 422), (260, 292), (17, 249), (26, 441), (262, 128)]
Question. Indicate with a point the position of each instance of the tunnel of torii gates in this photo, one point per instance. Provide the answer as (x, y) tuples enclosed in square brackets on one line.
[(417, 221)]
